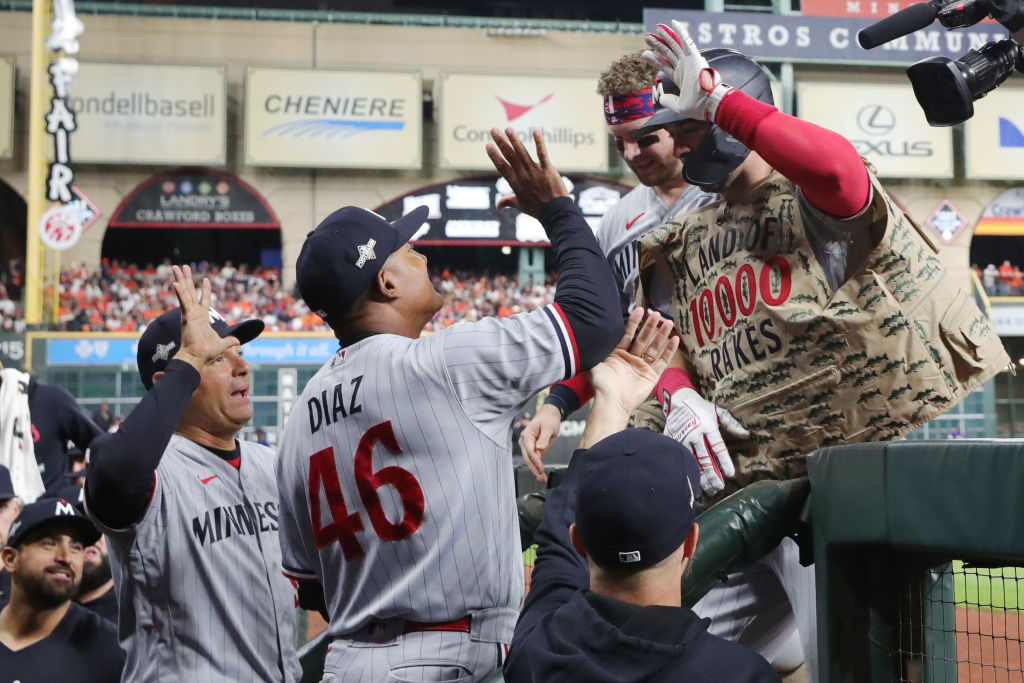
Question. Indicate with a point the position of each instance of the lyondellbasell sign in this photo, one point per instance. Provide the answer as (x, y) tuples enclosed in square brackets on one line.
[(151, 113)]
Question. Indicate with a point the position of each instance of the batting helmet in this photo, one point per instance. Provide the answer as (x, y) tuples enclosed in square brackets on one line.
[(709, 165)]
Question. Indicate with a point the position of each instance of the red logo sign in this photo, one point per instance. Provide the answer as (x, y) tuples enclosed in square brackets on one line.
[(514, 111)]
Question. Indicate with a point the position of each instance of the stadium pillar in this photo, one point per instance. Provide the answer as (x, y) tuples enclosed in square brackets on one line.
[(38, 94), (531, 265)]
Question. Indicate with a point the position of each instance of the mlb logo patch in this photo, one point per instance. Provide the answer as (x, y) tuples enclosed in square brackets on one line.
[(630, 557)]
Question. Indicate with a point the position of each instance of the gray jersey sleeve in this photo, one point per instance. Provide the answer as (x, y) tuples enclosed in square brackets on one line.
[(496, 365), (840, 244)]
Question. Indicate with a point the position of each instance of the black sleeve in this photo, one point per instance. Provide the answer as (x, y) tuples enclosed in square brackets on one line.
[(120, 482), (311, 597), (563, 398), (586, 290), (75, 425)]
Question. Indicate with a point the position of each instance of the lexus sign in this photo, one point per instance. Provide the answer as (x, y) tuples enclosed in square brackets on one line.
[(886, 126)]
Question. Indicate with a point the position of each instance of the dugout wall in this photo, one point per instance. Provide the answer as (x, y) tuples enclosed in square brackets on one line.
[(918, 548)]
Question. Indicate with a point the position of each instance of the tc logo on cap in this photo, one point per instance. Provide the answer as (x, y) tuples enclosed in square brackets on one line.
[(64, 508)]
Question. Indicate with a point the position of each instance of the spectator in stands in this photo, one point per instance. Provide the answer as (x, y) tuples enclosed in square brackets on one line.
[(54, 418), (103, 417), (44, 636), (1005, 278), (1017, 282), (96, 591), (990, 279)]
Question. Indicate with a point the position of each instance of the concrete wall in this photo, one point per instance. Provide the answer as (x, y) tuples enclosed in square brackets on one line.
[(302, 197)]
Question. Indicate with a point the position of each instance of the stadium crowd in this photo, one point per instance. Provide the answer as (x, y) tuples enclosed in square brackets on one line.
[(1005, 280), (123, 297)]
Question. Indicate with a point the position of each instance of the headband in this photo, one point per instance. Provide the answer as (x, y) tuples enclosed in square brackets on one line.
[(628, 107)]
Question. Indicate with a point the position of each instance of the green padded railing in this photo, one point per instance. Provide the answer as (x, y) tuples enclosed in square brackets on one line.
[(889, 519)]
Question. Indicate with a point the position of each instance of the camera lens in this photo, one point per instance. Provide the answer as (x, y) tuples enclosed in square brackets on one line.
[(942, 91), (946, 90)]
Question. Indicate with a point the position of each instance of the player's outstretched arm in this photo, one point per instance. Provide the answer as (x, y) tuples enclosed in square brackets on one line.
[(822, 162), (122, 466), (586, 293)]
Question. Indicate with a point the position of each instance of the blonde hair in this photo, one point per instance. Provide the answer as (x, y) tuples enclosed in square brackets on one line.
[(625, 75)]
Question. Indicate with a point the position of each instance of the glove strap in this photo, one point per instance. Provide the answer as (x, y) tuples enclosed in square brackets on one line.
[(671, 381), (714, 99)]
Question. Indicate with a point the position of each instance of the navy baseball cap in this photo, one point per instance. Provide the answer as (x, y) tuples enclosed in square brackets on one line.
[(6, 485), (162, 339), (342, 256), (635, 498), (48, 510)]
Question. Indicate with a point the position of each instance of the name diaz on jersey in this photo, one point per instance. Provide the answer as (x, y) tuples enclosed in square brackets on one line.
[(323, 411)]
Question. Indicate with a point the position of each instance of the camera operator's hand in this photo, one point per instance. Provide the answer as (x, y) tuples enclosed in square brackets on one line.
[(673, 53)]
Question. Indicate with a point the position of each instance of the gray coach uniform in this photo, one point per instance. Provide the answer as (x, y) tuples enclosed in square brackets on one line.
[(397, 489), (208, 536)]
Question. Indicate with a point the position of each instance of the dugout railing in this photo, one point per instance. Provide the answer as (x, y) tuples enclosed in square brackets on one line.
[(917, 548)]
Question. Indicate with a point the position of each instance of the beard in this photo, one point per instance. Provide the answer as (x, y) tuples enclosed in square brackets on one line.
[(95, 575), (44, 593)]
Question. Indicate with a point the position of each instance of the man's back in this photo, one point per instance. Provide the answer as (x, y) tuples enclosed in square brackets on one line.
[(403, 448)]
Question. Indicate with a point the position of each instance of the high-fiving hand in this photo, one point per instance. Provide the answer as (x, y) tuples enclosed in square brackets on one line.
[(673, 53), (534, 183), (200, 343)]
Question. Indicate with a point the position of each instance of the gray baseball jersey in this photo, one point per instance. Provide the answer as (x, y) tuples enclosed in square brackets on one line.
[(635, 215), (200, 592), (395, 472)]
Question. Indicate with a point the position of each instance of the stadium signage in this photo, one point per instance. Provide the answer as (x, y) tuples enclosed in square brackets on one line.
[(6, 107), (151, 114), (567, 111), (1004, 215), (994, 136), (194, 198), (116, 350), (333, 118), (778, 37), (887, 127)]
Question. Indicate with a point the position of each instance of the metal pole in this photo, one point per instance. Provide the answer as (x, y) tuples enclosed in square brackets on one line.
[(38, 95)]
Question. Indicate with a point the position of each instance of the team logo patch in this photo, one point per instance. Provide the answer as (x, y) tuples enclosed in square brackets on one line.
[(630, 557), (365, 253), (64, 508), (163, 351)]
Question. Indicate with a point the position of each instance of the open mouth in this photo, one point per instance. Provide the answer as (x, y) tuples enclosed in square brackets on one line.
[(240, 395), (60, 575)]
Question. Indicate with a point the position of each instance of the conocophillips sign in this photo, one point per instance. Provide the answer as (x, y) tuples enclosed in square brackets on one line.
[(567, 111), (886, 125), (333, 118)]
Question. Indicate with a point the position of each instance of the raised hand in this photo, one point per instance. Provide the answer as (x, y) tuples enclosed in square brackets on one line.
[(534, 184), (673, 52), (631, 370), (200, 343)]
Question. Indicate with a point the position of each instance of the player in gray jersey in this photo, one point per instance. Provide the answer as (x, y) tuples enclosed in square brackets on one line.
[(395, 471), (191, 513), (626, 88)]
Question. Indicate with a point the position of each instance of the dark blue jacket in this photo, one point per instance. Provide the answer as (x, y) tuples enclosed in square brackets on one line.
[(568, 633), (56, 419)]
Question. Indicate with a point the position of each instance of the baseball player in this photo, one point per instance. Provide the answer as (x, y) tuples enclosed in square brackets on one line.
[(605, 601), (395, 471), (808, 304), (626, 88), (190, 513)]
